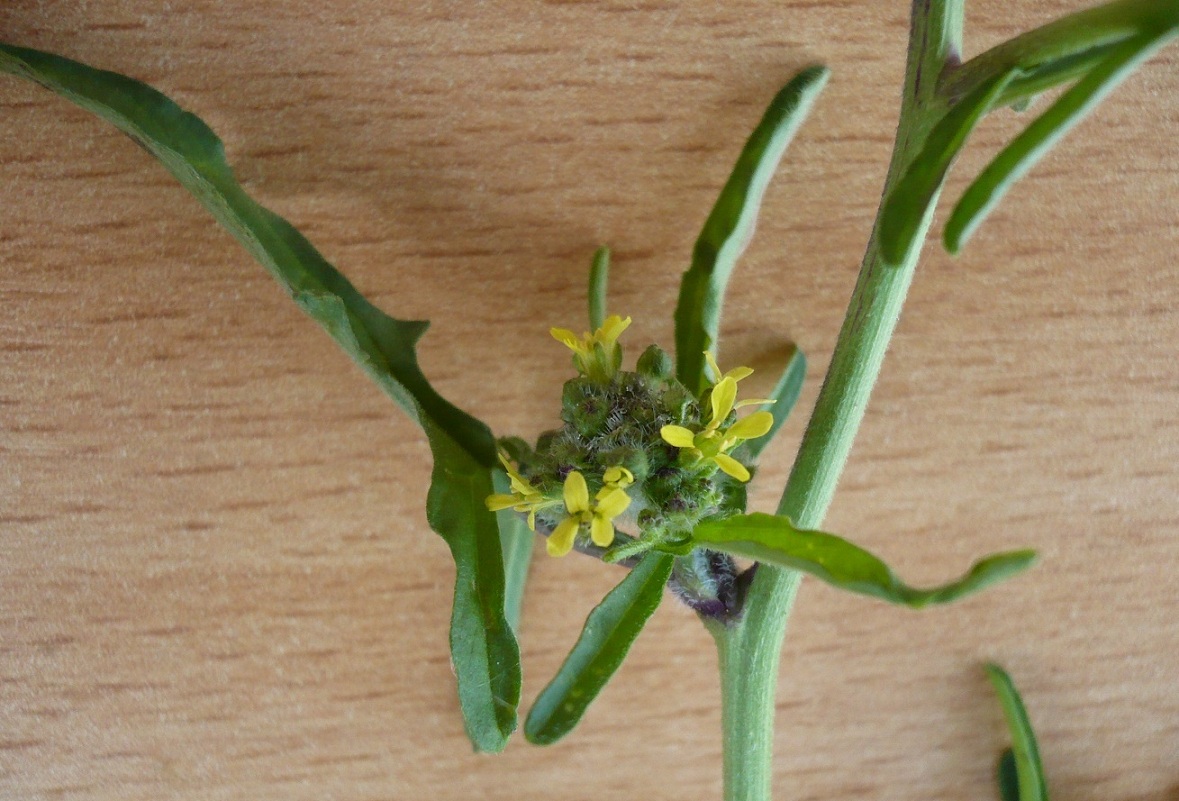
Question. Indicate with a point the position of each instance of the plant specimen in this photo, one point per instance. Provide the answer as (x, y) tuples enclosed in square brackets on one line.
[(650, 466)]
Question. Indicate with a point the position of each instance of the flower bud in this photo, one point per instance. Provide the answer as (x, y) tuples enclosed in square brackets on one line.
[(655, 364)]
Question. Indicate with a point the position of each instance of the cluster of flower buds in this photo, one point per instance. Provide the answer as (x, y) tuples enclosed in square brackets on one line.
[(637, 452)]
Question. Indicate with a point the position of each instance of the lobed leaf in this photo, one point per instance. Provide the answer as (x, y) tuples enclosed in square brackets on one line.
[(609, 632), (913, 195), (1023, 758), (775, 540), (729, 226), (785, 396), (485, 653), (984, 193), (599, 277)]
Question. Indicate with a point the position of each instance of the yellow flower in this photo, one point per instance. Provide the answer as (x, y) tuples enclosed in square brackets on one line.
[(618, 477), (713, 443), (737, 373), (598, 355), (524, 496), (609, 503)]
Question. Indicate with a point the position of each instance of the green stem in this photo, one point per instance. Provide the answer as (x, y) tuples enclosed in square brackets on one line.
[(748, 657), (1089, 31), (749, 650)]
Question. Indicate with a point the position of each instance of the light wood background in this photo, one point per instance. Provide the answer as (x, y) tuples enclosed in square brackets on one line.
[(216, 580)]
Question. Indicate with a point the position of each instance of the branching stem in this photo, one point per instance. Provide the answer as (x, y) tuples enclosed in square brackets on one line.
[(1088, 31), (749, 650)]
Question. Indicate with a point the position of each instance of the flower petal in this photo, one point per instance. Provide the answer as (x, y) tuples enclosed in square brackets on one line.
[(601, 531), (497, 503), (753, 402), (716, 371), (561, 540), (737, 373), (522, 487), (755, 425), (611, 503), (611, 329), (568, 339), (731, 466), (723, 396), (576, 493), (678, 436), (618, 476)]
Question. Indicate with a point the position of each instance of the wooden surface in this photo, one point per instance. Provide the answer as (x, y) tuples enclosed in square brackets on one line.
[(216, 580)]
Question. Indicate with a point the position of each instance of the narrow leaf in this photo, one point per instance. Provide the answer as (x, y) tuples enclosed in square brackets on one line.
[(483, 648), (1029, 147), (1033, 81), (729, 227), (1061, 50), (773, 539), (599, 277), (913, 195), (188, 149), (1025, 753), (1007, 776), (785, 396), (485, 654), (609, 632), (516, 542)]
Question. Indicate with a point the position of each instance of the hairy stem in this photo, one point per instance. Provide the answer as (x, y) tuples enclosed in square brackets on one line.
[(749, 649)]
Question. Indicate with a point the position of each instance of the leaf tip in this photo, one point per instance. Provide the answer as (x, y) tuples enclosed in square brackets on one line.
[(816, 74), (1023, 559), (893, 239), (962, 223), (892, 252), (952, 241), (540, 733)]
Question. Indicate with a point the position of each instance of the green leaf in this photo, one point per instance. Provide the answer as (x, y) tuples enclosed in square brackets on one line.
[(1061, 50), (609, 632), (485, 654), (785, 396), (981, 197), (483, 648), (599, 275), (516, 541), (773, 539), (1032, 786), (1032, 81), (1007, 776), (194, 155), (729, 227), (915, 192)]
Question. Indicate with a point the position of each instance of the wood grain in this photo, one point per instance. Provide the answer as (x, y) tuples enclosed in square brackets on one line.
[(216, 580)]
